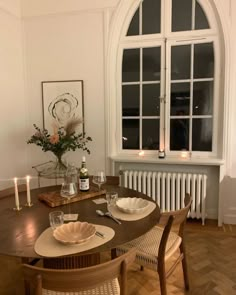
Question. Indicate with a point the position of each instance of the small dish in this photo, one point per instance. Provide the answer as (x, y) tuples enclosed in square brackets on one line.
[(132, 205), (74, 232)]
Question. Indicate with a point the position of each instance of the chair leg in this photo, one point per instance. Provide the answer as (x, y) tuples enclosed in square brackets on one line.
[(162, 279), (184, 266)]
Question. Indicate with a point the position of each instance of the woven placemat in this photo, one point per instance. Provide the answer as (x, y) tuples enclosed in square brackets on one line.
[(54, 199), (47, 246), (115, 211)]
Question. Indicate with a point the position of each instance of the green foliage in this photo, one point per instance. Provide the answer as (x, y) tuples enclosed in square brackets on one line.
[(60, 142)]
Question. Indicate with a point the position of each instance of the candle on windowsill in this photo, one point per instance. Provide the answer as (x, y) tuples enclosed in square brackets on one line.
[(141, 153), (185, 155)]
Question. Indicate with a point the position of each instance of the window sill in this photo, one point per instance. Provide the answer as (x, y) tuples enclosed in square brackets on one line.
[(168, 160)]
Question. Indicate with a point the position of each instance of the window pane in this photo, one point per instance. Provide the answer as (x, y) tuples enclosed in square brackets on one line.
[(181, 15), (203, 98), (180, 62), (150, 134), (130, 137), (202, 134), (130, 100), (179, 134), (203, 60), (151, 16), (151, 101), (134, 25), (131, 65), (201, 21), (151, 64), (180, 99)]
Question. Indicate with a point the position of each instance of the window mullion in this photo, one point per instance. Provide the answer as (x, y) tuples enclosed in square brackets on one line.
[(191, 99), (193, 14), (163, 97), (141, 101)]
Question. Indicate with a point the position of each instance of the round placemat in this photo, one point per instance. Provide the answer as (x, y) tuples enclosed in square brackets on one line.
[(47, 246)]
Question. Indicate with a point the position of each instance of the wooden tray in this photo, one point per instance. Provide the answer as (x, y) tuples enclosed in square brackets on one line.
[(53, 199)]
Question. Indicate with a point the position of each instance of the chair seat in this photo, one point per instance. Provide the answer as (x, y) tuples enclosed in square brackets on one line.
[(147, 247), (108, 288)]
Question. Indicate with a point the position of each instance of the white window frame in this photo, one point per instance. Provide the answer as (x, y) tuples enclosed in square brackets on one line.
[(117, 39)]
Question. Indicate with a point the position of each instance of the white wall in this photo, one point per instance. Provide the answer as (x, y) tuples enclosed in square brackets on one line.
[(66, 47), (11, 6), (13, 103), (35, 7)]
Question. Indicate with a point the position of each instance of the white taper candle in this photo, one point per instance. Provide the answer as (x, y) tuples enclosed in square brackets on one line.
[(16, 194), (28, 189)]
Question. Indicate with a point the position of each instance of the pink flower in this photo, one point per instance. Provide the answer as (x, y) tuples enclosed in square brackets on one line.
[(54, 138)]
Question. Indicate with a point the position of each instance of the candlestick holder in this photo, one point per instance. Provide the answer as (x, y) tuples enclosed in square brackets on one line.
[(29, 204), (18, 208)]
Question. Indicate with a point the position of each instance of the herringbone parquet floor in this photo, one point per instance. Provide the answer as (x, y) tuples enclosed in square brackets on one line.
[(211, 253)]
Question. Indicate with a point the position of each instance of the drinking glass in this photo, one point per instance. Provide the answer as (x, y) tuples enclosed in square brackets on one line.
[(56, 218), (111, 198), (69, 187), (99, 178)]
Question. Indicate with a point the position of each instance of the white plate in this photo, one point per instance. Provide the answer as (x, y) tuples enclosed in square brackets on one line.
[(74, 232), (132, 205)]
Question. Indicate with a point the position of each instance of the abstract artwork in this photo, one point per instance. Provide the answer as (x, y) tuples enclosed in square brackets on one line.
[(62, 102)]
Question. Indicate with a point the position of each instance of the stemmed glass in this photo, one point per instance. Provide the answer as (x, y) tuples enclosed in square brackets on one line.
[(99, 178)]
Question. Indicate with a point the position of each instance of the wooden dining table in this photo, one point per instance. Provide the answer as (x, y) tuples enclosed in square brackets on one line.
[(19, 230)]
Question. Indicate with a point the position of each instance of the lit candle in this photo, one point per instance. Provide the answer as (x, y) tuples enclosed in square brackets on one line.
[(28, 189), (184, 155), (16, 195), (141, 153)]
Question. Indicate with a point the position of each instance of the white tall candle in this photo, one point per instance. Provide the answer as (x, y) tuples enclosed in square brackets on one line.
[(16, 194), (28, 190)]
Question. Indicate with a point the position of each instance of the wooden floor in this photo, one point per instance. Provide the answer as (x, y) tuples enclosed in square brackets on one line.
[(211, 253)]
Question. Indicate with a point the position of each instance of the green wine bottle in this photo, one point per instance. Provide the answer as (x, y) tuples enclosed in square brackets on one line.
[(83, 177)]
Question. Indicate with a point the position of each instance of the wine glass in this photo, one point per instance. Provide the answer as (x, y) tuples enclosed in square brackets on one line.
[(99, 178)]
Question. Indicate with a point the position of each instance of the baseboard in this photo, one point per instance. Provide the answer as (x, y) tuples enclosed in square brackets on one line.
[(229, 219)]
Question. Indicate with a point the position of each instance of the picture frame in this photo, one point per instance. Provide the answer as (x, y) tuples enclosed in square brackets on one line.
[(62, 101)]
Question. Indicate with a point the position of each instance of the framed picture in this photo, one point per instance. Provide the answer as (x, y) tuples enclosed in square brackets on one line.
[(62, 101)]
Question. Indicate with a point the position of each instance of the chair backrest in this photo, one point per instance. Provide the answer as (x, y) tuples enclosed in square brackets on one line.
[(75, 280), (11, 190), (180, 216)]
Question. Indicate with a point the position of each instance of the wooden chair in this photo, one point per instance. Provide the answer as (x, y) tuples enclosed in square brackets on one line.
[(162, 243), (101, 279)]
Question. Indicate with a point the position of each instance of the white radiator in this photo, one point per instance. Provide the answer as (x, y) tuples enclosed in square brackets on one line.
[(168, 189)]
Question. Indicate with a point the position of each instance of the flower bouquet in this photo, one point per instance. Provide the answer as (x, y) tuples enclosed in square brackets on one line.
[(62, 140)]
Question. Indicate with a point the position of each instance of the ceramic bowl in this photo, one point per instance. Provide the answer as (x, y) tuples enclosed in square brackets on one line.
[(132, 205), (74, 232)]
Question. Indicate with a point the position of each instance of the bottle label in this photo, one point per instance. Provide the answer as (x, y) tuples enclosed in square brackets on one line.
[(84, 184)]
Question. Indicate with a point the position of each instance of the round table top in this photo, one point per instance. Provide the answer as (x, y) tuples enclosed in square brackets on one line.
[(19, 230)]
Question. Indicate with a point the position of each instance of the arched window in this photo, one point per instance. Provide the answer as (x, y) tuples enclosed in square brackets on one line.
[(169, 61)]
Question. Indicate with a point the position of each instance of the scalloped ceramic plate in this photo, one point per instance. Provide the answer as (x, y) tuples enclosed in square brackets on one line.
[(74, 232), (132, 205)]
